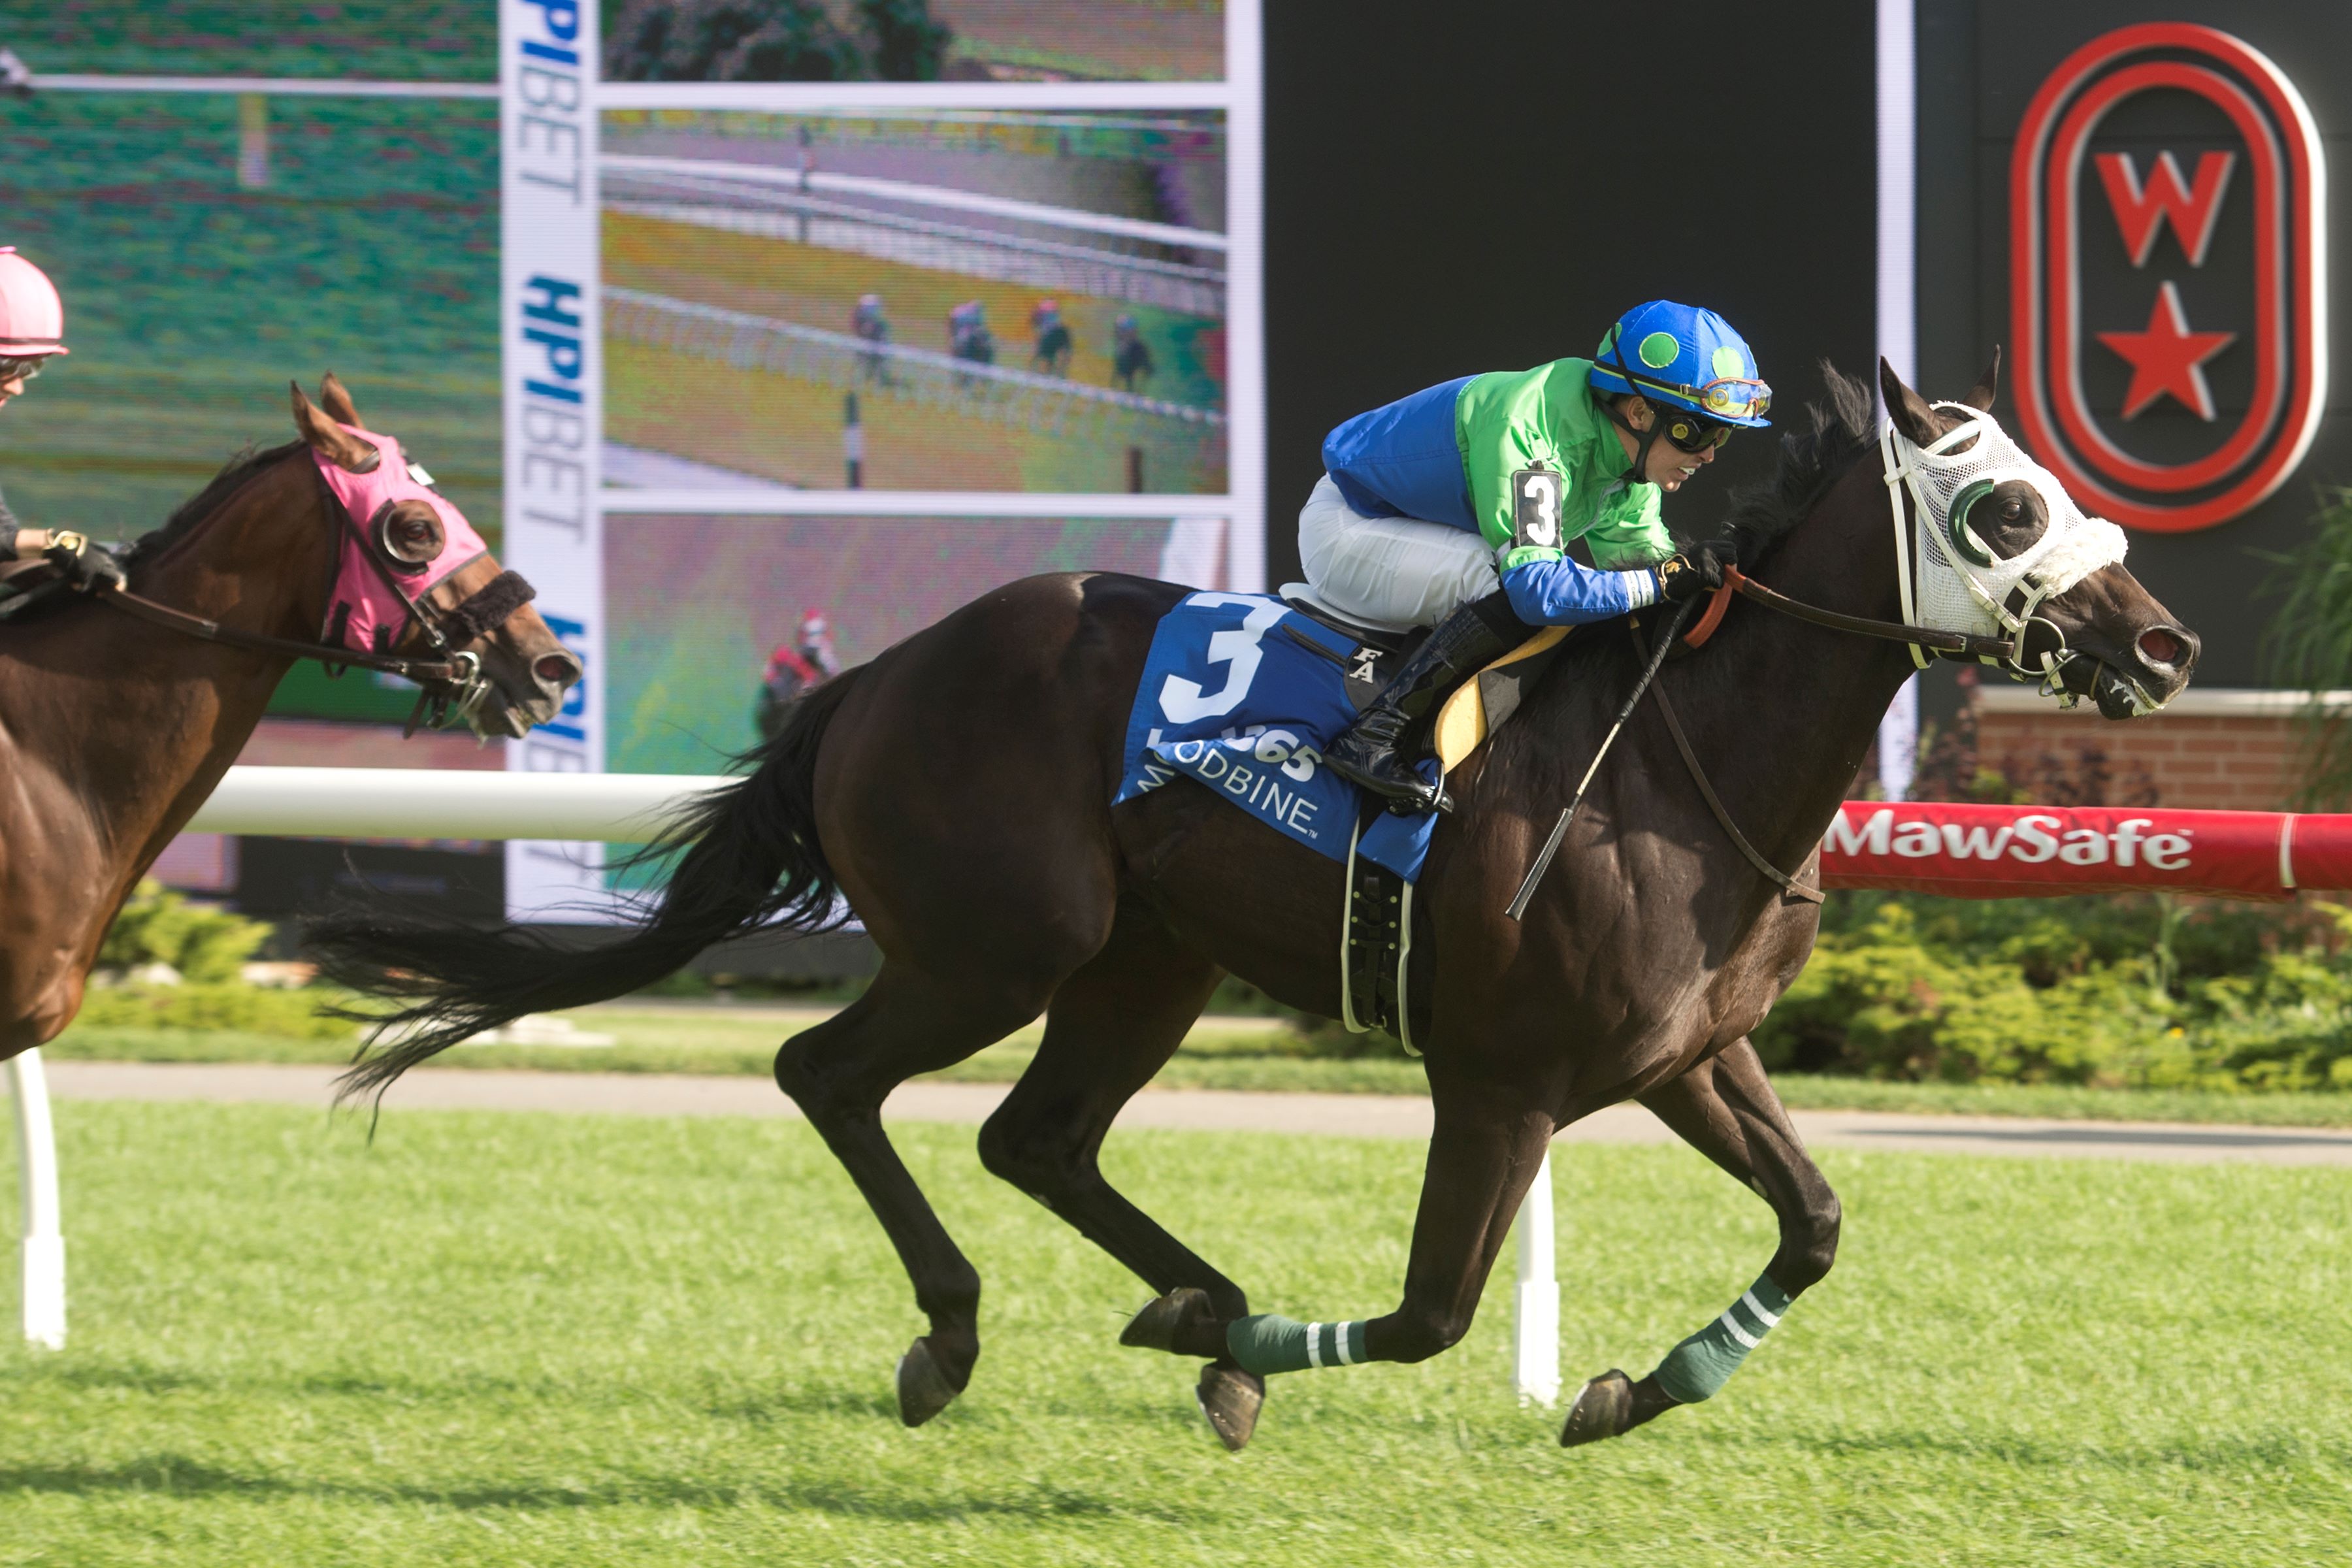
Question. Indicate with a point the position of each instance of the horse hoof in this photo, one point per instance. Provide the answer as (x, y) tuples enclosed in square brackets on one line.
[(1603, 1408), (1230, 1400), (923, 1387), (1156, 1327)]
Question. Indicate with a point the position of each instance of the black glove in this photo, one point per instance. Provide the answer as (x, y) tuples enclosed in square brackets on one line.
[(1697, 570), (81, 560)]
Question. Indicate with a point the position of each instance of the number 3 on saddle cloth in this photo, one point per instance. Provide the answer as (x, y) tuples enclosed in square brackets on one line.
[(1242, 692)]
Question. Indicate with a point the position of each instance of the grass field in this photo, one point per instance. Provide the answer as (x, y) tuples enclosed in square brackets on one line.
[(512, 1339)]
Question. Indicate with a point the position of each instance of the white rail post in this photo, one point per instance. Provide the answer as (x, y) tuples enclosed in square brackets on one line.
[(1535, 1347), (44, 1244)]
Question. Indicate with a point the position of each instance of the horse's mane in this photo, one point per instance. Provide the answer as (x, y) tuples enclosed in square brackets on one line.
[(1812, 456), (247, 463)]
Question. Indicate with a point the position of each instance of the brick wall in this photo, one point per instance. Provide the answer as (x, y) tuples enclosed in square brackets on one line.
[(2223, 750)]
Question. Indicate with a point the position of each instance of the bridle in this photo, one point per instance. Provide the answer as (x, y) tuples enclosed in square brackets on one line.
[(451, 679), (2070, 547), (2015, 610)]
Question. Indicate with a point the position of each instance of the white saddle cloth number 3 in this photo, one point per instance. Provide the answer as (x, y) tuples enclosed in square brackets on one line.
[(1236, 647)]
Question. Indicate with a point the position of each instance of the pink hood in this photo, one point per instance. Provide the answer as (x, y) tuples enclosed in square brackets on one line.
[(365, 612)]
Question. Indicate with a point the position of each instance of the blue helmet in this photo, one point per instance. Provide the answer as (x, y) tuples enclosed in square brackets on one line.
[(1685, 356)]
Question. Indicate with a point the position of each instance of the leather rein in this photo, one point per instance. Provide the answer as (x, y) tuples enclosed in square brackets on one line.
[(165, 616), (1966, 644)]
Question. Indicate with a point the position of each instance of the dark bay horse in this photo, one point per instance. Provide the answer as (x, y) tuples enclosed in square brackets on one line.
[(113, 729), (956, 790)]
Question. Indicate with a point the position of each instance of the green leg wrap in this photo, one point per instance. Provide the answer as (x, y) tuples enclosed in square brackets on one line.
[(1704, 1363), (1271, 1343)]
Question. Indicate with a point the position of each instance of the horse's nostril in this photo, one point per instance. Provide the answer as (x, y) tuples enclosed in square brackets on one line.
[(2159, 645), (561, 668)]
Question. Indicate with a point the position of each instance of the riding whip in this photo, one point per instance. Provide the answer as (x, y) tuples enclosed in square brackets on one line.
[(1518, 906)]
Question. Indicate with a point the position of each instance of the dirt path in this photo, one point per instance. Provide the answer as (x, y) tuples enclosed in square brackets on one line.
[(1349, 1115)]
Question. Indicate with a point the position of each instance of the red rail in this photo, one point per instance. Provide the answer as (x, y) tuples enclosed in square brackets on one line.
[(2014, 851)]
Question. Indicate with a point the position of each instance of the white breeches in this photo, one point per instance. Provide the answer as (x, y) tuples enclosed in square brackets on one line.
[(1389, 572)]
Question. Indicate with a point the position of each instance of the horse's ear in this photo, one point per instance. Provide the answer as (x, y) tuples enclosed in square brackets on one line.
[(330, 440), (1906, 409), (1980, 395), (337, 401)]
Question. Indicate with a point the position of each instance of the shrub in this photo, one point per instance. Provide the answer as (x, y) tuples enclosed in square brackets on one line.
[(204, 945), (772, 40), (2308, 646), (245, 1009), (2134, 992)]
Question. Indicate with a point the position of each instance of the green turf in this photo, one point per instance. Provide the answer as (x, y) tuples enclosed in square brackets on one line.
[(518, 1338), (2065, 1101)]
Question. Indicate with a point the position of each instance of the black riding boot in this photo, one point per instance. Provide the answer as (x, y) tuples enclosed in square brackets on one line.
[(1365, 753)]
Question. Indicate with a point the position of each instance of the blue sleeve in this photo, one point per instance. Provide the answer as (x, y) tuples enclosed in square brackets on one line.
[(1564, 591), (1403, 459)]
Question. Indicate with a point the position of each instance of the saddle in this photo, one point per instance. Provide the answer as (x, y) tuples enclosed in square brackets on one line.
[(1377, 949), (1378, 652)]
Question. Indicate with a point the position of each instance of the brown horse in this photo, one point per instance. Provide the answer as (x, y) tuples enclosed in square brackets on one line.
[(957, 791), (115, 730)]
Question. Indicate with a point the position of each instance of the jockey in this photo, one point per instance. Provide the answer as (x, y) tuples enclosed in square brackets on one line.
[(815, 640), (32, 331), (795, 668), (1131, 355), (968, 335), (1452, 509)]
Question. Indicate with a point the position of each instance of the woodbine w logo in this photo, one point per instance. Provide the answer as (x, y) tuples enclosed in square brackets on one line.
[(2167, 275)]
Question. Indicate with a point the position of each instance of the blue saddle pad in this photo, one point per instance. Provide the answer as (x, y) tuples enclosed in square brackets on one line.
[(1243, 692)]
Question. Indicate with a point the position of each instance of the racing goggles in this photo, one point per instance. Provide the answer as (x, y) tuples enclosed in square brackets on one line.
[(1689, 433), (20, 369), (1734, 398)]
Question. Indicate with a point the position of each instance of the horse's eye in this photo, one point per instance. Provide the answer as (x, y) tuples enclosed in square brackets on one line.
[(410, 535), (2011, 509)]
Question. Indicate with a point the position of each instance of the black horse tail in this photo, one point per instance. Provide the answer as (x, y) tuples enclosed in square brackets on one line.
[(748, 856)]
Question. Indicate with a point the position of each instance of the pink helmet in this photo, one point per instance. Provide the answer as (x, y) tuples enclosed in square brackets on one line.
[(32, 316)]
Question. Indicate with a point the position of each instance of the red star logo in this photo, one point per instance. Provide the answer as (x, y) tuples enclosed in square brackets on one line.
[(2168, 357)]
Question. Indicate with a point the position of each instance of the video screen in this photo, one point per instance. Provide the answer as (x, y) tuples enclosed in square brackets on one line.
[(713, 623), (929, 300), (914, 40)]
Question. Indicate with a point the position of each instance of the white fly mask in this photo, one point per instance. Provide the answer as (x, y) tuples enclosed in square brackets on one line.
[(1958, 584)]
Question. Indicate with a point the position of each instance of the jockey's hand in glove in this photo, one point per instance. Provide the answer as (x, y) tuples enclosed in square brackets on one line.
[(1697, 570), (81, 560)]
